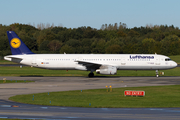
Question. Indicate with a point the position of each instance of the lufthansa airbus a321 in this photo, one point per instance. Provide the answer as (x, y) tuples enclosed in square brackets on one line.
[(106, 64)]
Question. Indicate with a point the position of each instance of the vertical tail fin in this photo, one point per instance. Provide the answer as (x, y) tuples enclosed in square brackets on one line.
[(17, 45)]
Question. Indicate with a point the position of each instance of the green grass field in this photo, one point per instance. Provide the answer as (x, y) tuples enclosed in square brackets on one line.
[(175, 58), (11, 119), (28, 71), (158, 96), (6, 62)]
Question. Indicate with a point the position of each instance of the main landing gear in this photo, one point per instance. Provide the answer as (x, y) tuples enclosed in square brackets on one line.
[(91, 74), (157, 73)]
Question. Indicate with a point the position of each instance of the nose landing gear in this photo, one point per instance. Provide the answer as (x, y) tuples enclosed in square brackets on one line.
[(157, 73)]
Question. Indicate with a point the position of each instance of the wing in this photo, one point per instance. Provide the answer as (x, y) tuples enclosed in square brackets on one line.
[(89, 65)]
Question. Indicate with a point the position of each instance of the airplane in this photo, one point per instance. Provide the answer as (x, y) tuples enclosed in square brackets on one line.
[(106, 64)]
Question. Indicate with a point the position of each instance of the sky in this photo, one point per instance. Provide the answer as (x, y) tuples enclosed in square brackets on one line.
[(93, 13)]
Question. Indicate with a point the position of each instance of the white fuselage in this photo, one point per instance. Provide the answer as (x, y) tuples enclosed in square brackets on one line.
[(70, 61)]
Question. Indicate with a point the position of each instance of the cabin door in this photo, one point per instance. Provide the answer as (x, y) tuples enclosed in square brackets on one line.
[(123, 61), (157, 60), (34, 61)]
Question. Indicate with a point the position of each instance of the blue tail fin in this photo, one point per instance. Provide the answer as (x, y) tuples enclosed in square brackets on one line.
[(17, 45)]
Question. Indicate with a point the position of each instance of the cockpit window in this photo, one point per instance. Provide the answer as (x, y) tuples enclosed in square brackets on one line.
[(167, 59)]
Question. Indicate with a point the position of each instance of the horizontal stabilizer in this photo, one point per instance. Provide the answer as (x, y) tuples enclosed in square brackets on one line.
[(13, 58)]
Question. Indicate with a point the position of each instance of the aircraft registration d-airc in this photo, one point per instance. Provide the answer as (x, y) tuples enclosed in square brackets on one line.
[(106, 64)]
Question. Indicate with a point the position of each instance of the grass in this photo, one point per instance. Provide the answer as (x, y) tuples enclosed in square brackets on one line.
[(158, 96), (28, 71), (176, 58), (12, 119), (6, 62), (15, 81)]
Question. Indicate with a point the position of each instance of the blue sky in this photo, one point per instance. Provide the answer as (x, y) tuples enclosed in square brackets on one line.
[(94, 13)]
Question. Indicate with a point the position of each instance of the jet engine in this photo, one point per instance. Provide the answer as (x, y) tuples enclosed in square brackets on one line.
[(107, 70)]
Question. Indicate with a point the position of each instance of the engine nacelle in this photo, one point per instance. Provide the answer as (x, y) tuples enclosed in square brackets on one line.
[(107, 70), (79, 67)]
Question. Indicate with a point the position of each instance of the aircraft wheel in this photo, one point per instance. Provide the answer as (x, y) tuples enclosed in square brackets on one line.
[(157, 73), (91, 75)]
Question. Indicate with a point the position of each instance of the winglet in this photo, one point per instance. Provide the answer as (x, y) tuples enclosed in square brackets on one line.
[(17, 45)]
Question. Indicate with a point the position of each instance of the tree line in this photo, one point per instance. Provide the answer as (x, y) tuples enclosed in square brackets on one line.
[(109, 39)]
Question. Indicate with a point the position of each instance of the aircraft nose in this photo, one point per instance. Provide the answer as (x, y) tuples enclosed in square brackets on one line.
[(174, 64)]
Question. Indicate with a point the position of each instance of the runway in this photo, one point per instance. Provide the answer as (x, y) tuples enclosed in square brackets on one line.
[(10, 109)]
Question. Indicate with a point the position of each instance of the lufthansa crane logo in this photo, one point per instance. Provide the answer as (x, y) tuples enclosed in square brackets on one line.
[(15, 43)]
